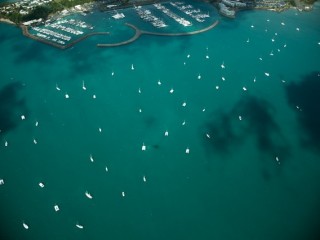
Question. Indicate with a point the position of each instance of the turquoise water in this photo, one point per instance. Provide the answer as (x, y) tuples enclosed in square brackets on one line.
[(229, 186)]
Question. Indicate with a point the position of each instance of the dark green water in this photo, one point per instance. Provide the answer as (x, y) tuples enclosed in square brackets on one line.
[(229, 186)]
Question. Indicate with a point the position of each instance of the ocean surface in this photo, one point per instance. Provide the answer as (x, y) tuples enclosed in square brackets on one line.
[(229, 120)]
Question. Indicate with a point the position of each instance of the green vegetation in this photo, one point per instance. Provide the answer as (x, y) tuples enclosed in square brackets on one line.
[(38, 12), (42, 11), (308, 1), (70, 3)]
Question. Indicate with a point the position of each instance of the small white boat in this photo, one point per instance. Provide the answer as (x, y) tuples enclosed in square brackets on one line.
[(57, 87), (223, 79), (187, 151), (184, 104), (144, 178), (41, 184), (267, 74), (217, 87), (67, 95), (132, 67), (1, 182), (222, 65), (199, 76), (23, 117), (56, 208), (88, 195), (240, 118), (143, 148), (118, 16), (123, 194), (25, 225), (37, 123), (244, 89), (207, 135), (159, 82), (166, 133), (91, 158), (83, 86), (100, 129), (188, 56), (171, 90), (6, 143), (107, 169), (183, 123), (35, 141), (79, 226)]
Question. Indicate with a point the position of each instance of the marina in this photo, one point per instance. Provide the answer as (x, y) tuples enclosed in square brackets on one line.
[(66, 31)]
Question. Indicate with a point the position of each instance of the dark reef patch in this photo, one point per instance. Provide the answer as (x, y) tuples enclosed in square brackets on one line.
[(228, 132), (306, 96), (11, 105)]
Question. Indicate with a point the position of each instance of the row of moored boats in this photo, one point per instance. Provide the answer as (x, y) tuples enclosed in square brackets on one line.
[(147, 16), (70, 26), (190, 11), (172, 15)]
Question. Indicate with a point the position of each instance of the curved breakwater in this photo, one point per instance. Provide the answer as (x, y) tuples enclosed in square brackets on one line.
[(140, 32)]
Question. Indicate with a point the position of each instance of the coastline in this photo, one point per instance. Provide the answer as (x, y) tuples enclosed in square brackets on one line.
[(3, 20)]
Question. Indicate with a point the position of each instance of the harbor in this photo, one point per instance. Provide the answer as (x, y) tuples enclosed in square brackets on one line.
[(66, 30), (164, 136)]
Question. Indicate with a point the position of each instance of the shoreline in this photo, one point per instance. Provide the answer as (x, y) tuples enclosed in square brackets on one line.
[(4, 20)]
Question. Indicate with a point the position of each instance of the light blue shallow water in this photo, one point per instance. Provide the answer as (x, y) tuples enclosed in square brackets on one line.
[(230, 186)]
